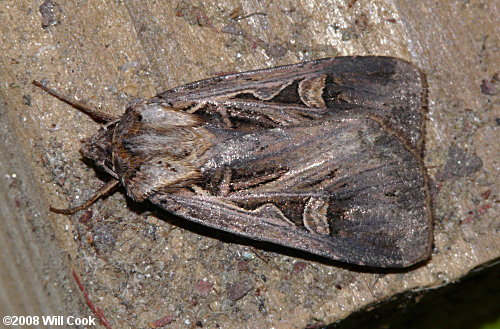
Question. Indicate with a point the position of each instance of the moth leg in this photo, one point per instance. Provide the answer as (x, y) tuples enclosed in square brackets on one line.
[(95, 114), (101, 192)]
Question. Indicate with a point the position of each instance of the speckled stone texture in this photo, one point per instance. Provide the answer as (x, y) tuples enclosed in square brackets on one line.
[(139, 265)]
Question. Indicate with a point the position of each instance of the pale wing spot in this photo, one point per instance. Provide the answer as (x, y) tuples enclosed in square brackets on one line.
[(311, 91), (272, 214), (315, 216), (269, 92)]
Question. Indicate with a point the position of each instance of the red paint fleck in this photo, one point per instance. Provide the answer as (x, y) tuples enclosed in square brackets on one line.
[(242, 266), (483, 209), (161, 322), (203, 287), (299, 267)]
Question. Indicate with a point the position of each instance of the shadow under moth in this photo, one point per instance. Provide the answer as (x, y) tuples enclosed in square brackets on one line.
[(323, 156)]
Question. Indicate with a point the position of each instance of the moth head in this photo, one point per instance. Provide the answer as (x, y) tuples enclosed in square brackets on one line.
[(98, 148)]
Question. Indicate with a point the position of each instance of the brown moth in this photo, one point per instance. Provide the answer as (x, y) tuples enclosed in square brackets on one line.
[(324, 156)]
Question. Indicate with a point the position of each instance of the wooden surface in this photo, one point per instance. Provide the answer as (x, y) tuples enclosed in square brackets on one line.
[(139, 265)]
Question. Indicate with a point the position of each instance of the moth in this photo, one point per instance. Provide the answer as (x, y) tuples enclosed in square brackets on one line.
[(324, 156)]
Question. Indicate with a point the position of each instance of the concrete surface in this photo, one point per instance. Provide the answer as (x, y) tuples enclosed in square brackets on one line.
[(139, 265)]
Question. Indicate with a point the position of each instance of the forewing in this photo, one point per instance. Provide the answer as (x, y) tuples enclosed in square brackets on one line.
[(347, 189), (326, 157), (390, 88)]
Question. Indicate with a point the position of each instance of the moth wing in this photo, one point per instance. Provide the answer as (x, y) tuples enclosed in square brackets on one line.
[(352, 191), (391, 88), (363, 244), (356, 191)]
